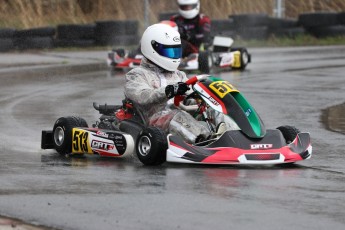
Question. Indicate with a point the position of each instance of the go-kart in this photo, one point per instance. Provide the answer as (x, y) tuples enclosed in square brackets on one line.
[(121, 59), (121, 129), (220, 56)]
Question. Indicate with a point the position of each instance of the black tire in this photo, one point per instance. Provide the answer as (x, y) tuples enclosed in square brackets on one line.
[(107, 31), (253, 33), (281, 23), (223, 27), (205, 62), (7, 32), (132, 27), (35, 32), (81, 122), (327, 31), (151, 146), (34, 43), (341, 18), (74, 43), (292, 32), (124, 40), (289, 132), (6, 44), (76, 32), (318, 19), (245, 58), (62, 133), (250, 20)]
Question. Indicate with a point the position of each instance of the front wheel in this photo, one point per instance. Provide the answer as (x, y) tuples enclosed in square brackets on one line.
[(289, 133), (62, 133), (151, 146)]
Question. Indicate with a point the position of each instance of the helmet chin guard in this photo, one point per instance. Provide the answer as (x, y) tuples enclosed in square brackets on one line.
[(161, 44)]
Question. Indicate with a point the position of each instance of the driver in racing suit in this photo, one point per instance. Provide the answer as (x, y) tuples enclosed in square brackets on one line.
[(156, 81), (194, 27)]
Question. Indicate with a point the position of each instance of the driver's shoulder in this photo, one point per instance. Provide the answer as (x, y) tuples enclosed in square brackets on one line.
[(203, 18), (182, 75), (136, 75), (175, 76)]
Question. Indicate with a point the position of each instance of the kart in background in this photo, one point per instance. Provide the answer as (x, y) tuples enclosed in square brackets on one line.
[(121, 129), (220, 56), (121, 59)]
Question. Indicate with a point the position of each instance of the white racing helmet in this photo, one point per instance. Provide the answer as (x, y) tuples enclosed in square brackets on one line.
[(161, 44), (188, 8)]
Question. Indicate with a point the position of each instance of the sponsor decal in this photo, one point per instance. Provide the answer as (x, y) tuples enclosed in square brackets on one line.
[(120, 143), (118, 137), (213, 101), (176, 39), (102, 134), (248, 112), (261, 146), (101, 145)]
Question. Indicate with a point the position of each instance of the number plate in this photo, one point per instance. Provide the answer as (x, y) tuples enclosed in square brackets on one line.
[(237, 59), (222, 88), (80, 141)]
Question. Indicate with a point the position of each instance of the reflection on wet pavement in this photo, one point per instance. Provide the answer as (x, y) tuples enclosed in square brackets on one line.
[(334, 118), (128, 175)]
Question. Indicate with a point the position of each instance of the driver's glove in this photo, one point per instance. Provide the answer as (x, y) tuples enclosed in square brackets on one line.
[(180, 88)]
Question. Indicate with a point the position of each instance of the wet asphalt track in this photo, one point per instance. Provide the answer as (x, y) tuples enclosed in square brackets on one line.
[(285, 85)]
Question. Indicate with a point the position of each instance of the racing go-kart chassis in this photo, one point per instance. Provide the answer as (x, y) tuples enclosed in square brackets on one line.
[(122, 129)]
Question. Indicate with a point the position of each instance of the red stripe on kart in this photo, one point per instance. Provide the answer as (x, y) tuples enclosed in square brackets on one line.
[(106, 154), (127, 62), (232, 154), (214, 97)]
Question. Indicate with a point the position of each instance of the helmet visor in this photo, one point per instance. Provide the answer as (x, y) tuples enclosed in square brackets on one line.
[(169, 51), (188, 7)]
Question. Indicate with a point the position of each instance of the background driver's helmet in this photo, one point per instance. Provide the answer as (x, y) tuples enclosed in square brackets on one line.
[(161, 44), (188, 8)]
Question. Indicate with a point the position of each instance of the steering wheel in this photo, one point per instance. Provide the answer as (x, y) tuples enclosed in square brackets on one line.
[(178, 100)]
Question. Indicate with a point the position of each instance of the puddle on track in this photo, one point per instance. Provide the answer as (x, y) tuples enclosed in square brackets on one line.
[(334, 118)]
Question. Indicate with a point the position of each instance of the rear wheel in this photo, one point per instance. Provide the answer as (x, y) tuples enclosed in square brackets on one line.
[(62, 133), (205, 62), (245, 58), (289, 133), (151, 146)]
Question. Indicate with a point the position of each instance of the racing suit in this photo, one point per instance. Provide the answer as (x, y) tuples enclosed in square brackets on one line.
[(194, 32), (145, 87)]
